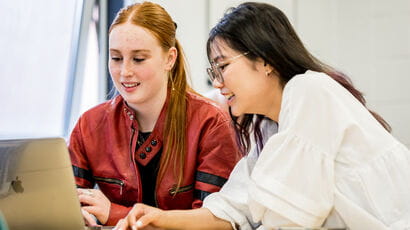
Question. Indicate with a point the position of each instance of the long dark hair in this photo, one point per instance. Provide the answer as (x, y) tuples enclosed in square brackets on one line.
[(265, 32)]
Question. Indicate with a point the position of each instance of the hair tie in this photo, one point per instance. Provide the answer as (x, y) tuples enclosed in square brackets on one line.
[(175, 24)]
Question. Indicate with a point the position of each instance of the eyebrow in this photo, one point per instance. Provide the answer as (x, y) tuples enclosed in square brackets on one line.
[(133, 51), (218, 58)]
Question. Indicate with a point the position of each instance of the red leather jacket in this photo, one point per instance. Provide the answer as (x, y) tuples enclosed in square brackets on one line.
[(102, 149)]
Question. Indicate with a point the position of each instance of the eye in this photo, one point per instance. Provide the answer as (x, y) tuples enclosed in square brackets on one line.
[(222, 66), (116, 59), (139, 59)]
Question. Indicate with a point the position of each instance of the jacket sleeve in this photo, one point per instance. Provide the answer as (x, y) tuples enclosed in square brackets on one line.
[(117, 212), (217, 157), (82, 173)]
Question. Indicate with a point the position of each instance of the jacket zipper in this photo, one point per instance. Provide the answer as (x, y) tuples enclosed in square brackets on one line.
[(173, 191), (132, 137), (132, 154), (111, 181), (132, 160)]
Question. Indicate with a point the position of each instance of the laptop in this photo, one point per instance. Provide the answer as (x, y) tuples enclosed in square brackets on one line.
[(37, 188)]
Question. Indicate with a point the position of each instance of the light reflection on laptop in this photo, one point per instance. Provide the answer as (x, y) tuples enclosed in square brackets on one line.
[(37, 188)]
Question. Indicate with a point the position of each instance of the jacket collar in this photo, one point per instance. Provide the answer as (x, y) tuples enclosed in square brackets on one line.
[(131, 118)]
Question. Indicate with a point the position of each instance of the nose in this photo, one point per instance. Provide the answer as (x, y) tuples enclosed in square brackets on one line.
[(126, 70), (217, 84)]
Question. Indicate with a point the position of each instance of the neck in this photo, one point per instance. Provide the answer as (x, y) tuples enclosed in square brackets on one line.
[(147, 114), (273, 114), (275, 105)]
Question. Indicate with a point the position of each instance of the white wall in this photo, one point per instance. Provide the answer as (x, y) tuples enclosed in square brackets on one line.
[(370, 41)]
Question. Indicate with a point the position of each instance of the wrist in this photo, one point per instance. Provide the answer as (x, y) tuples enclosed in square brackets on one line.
[(173, 219), (163, 218)]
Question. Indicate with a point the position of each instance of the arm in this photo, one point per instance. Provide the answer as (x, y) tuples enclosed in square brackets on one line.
[(95, 203), (82, 173), (197, 219), (217, 156)]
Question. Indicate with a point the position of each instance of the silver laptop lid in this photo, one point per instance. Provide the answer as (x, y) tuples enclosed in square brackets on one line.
[(37, 188)]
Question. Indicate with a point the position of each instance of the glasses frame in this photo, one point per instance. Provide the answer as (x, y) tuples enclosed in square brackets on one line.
[(215, 73)]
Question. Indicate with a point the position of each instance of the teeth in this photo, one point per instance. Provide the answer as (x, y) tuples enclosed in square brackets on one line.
[(229, 96), (131, 84)]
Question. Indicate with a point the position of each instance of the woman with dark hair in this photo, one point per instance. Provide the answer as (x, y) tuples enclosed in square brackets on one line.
[(157, 142), (333, 163)]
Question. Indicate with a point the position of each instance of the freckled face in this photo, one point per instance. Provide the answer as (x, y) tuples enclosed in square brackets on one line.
[(138, 65)]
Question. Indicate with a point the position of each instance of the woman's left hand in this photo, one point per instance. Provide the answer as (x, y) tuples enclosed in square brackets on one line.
[(141, 216)]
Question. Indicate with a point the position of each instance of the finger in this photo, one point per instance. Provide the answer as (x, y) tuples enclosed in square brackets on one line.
[(89, 220), (84, 191), (79, 191), (91, 209), (121, 225), (145, 220), (86, 199), (136, 212), (96, 192)]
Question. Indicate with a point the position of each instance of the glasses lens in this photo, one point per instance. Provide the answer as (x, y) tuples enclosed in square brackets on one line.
[(218, 74), (210, 74), (215, 73)]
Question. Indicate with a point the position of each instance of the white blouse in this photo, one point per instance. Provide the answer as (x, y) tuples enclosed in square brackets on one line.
[(330, 164)]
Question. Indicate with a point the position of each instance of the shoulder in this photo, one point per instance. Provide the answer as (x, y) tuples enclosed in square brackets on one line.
[(107, 107), (311, 80), (205, 112), (312, 85), (200, 104), (195, 99)]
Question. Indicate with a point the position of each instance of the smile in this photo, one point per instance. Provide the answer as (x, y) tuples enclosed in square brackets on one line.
[(130, 85), (229, 96)]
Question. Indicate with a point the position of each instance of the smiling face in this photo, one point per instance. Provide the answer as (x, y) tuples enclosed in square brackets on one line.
[(246, 86), (138, 65)]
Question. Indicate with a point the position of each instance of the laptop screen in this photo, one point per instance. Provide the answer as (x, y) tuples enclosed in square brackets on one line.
[(37, 188)]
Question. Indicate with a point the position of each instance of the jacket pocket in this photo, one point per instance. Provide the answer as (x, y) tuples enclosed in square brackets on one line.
[(111, 187), (173, 191), (181, 199)]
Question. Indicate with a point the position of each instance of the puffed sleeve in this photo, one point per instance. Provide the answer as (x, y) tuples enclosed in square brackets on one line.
[(231, 203), (295, 181), (294, 175)]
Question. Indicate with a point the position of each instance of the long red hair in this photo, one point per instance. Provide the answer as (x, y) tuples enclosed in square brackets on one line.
[(154, 18)]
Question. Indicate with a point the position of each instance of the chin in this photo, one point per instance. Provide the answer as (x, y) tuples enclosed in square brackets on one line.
[(235, 112)]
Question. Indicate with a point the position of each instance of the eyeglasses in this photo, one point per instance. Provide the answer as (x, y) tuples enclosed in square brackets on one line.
[(215, 71)]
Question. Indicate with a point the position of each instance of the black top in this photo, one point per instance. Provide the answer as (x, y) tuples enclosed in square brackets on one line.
[(148, 173)]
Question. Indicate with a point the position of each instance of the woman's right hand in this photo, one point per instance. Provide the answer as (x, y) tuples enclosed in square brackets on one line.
[(139, 217), (95, 203)]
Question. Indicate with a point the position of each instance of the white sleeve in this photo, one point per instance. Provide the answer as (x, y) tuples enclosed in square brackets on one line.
[(294, 175), (294, 181), (230, 203)]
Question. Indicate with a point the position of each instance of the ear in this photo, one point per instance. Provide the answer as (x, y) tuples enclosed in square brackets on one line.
[(269, 69), (171, 58)]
